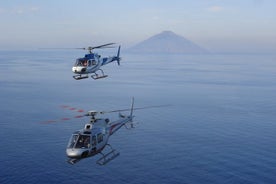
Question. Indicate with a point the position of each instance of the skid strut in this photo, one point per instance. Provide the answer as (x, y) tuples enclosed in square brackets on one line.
[(97, 76), (108, 156)]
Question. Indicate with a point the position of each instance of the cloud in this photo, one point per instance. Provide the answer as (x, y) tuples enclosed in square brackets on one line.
[(34, 9), (2, 10), (215, 8), (156, 18), (29, 9), (18, 11), (24, 10)]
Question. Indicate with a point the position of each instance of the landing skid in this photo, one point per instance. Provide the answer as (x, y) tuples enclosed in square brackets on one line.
[(97, 76), (73, 160), (108, 156), (78, 77)]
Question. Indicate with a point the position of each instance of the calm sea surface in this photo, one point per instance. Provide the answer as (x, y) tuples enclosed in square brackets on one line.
[(221, 127)]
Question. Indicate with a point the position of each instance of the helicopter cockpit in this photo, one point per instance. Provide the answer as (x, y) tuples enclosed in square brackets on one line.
[(85, 62), (79, 141)]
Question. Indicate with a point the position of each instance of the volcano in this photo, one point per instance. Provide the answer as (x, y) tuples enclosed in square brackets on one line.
[(169, 43)]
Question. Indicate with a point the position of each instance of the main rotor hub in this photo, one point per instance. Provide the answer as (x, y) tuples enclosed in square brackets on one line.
[(90, 49), (92, 113)]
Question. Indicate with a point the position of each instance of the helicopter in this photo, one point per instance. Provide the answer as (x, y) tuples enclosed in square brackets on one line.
[(92, 63), (93, 138)]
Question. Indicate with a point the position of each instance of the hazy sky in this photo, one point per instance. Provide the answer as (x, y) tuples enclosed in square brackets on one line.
[(218, 25)]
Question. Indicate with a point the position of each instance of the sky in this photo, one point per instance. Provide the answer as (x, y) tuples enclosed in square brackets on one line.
[(217, 25)]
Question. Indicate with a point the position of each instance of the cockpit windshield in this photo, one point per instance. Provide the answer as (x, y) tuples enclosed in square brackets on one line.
[(79, 141), (82, 62), (85, 62), (78, 62), (73, 141)]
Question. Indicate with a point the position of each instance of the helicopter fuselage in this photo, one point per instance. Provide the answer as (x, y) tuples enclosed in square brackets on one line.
[(88, 64), (91, 63), (93, 138)]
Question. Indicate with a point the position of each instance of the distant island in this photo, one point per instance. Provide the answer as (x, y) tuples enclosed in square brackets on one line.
[(169, 43)]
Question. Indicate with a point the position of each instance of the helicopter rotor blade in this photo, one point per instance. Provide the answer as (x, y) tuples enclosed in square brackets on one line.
[(137, 108), (61, 48), (67, 107), (62, 119), (87, 48), (93, 113), (71, 108), (100, 46)]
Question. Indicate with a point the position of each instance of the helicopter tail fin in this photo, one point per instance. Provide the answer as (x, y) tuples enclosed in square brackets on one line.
[(118, 55), (130, 123), (131, 108)]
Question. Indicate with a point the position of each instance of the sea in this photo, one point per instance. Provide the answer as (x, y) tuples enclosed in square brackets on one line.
[(218, 125)]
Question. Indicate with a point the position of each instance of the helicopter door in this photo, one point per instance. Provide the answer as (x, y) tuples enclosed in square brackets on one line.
[(100, 137), (94, 141), (100, 142), (89, 63), (94, 63), (83, 141), (85, 63)]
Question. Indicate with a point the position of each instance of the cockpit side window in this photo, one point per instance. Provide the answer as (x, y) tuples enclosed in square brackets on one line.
[(94, 62), (84, 63), (100, 137), (83, 141), (94, 141)]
